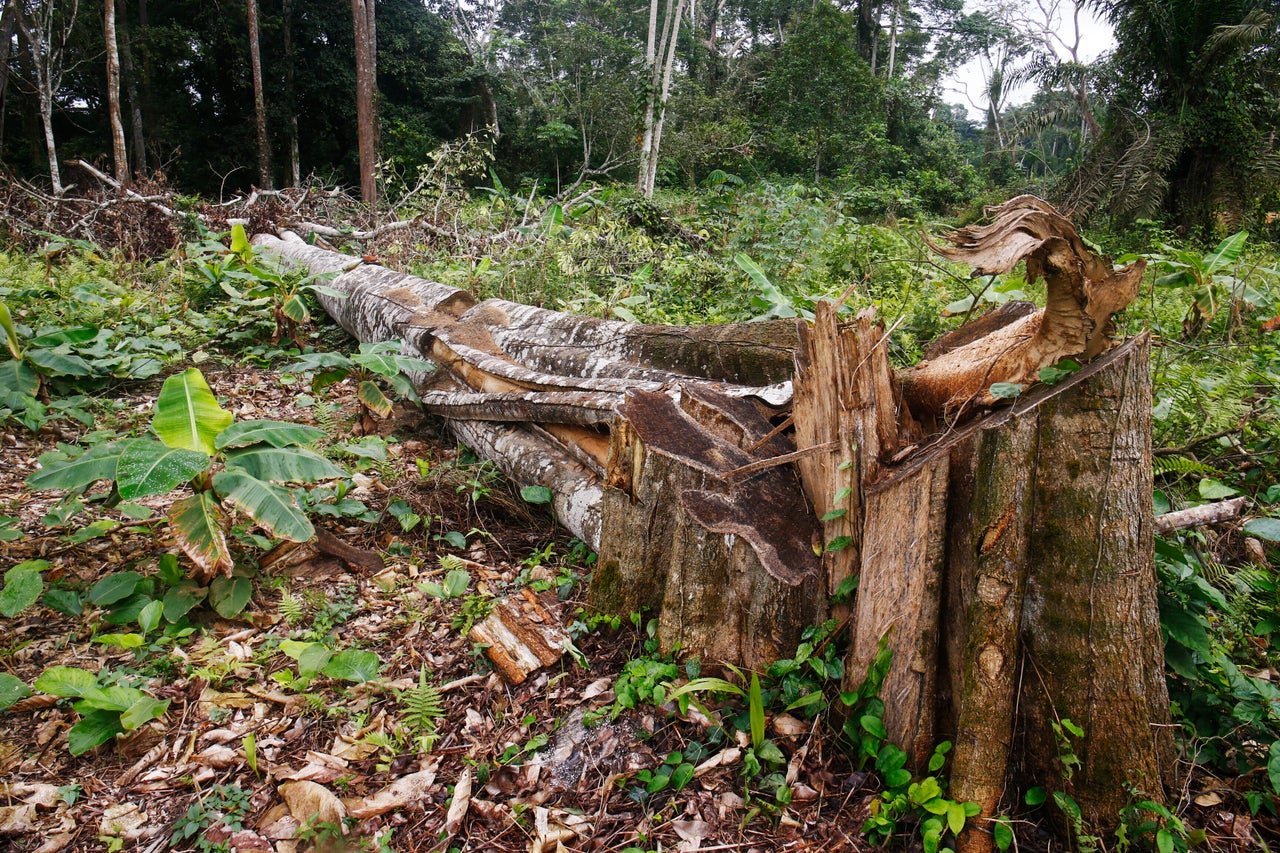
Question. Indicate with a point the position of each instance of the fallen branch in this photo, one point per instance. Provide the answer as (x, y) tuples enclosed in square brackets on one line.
[(1201, 516)]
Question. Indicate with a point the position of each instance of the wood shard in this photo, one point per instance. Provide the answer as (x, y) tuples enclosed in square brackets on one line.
[(521, 634)]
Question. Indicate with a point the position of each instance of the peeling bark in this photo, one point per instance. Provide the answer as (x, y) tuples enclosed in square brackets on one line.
[(1083, 293)]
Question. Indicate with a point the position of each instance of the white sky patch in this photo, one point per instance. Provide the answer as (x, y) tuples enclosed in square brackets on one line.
[(966, 85)]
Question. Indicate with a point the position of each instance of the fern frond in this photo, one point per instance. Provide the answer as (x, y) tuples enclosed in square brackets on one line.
[(323, 412), (292, 608), (451, 562), (423, 705), (1182, 465)]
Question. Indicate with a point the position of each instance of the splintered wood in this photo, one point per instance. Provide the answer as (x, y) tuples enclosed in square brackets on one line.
[(521, 634)]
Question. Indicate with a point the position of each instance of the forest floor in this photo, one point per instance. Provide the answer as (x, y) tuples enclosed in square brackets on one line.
[(248, 758)]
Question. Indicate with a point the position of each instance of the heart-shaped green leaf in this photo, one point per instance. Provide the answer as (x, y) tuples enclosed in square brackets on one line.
[(94, 729)]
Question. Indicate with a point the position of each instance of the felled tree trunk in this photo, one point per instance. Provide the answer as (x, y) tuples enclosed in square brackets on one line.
[(1005, 557)]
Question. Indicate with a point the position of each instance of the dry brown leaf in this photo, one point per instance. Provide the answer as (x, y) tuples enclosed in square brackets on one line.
[(788, 726), (405, 790), (692, 833), (218, 757), (721, 759), (460, 803), (123, 820), (17, 820), (309, 801), (34, 793), (1208, 798)]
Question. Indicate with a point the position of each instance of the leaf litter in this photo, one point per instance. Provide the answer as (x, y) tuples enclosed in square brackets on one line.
[(244, 760)]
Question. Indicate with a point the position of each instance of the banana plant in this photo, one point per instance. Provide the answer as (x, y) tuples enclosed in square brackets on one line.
[(264, 282), (372, 367), (34, 359), (247, 466)]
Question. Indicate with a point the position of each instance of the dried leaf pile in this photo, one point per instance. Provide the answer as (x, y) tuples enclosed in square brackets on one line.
[(244, 761)]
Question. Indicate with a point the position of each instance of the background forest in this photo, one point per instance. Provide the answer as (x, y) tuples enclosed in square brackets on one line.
[(1175, 125), (677, 161)]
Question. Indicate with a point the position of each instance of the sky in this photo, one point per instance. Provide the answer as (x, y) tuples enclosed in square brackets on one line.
[(1095, 39)]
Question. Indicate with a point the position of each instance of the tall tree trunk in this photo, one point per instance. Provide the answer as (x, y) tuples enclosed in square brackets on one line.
[(119, 157), (259, 99), (295, 167), (129, 75), (660, 55), (8, 21), (362, 15)]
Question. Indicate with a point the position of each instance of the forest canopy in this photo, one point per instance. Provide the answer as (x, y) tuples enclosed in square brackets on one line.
[(1176, 124)]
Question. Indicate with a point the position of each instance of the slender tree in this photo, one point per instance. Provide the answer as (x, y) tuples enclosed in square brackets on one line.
[(46, 27), (8, 22), (259, 100), (659, 61), (118, 155), (362, 16)]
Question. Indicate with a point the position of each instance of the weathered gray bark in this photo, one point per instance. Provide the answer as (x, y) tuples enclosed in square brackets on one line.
[(121, 161)]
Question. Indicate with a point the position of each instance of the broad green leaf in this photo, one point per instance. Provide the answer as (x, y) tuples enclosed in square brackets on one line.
[(1181, 278), (168, 570), (230, 595), (1002, 834), (143, 711), (874, 726), (269, 505), (123, 641), (955, 818), (311, 657), (59, 364), (74, 335), (456, 582), (187, 414), (1035, 796), (127, 611), (536, 494), (93, 530), (353, 665), (146, 467), (184, 596), (1226, 254), (19, 377), (149, 618), (197, 525), (282, 464), (371, 396), (1273, 766), (1215, 490), (274, 433), (1006, 390), (295, 309), (65, 601), (65, 681), (116, 586), (12, 690), (97, 463), (22, 587), (1185, 628), (382, 364), (1264, 528), (94, 729), (240, 244)]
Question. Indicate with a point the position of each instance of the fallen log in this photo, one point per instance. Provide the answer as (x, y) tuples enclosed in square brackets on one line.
[(1007, 561)]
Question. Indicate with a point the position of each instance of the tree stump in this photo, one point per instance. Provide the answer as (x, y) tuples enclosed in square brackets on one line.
[(1006, 558)]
